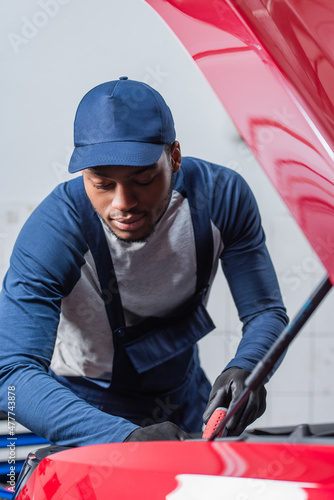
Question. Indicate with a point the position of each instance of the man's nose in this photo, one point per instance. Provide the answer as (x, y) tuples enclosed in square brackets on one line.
[(123, 199)]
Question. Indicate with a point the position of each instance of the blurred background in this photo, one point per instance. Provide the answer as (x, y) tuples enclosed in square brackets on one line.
[(52, 53)]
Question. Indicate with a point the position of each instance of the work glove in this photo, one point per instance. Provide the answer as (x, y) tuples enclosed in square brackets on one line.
[(226, 390), (167, 431)]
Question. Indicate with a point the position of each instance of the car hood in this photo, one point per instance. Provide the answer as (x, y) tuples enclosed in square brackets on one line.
[(271, 65)]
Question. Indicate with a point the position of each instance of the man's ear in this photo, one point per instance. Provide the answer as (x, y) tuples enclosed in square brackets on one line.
[(176, 157)]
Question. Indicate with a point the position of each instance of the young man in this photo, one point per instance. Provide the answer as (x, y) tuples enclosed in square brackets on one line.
[(104, 301)]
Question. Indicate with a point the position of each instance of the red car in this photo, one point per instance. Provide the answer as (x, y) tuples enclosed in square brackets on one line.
[(281, 53)]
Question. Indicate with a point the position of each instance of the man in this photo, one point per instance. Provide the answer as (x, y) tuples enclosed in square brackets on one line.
[(104, 301)]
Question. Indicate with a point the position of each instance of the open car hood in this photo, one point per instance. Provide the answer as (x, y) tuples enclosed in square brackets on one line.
[(271, 63)]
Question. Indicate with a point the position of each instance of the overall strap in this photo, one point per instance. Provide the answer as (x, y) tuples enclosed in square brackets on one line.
[(199, 209), (94, 235)]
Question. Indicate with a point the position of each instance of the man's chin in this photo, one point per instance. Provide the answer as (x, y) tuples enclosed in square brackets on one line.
[(127, 237)]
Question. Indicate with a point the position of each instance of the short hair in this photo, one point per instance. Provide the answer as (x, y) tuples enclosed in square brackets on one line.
[(168, 149)]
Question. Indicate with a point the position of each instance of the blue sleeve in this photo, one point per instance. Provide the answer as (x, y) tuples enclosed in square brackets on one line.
[(44, 267), (247, 267)]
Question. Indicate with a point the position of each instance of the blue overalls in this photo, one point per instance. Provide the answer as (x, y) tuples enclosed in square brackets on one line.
[(156, 373)]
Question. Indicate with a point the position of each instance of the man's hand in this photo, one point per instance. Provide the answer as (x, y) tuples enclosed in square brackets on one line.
[(226, 390), (167, 431)]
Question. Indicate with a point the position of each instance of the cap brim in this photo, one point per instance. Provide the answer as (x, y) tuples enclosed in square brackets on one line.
[(135, 154)]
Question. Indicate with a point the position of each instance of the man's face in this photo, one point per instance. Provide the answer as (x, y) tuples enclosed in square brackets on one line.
[(132, 199)]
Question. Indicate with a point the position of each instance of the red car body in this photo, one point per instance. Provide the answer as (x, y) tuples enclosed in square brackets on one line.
[(270, 63), (193, 470)]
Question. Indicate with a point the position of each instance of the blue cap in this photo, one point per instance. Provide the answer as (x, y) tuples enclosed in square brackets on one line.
[(122, 122)]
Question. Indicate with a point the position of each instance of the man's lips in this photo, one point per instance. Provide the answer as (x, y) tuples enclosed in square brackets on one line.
[(130, 223)]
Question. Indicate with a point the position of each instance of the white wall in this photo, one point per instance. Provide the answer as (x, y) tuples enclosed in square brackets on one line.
[(53, 51)]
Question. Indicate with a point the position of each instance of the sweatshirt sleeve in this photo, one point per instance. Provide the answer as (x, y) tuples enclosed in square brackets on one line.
[(248, 268), (44, 267)]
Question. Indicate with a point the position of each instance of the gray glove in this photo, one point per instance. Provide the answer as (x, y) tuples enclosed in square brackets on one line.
[(167, 431), (225, 391)]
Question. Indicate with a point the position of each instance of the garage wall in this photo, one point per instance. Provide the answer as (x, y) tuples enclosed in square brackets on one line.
[(52, 52)]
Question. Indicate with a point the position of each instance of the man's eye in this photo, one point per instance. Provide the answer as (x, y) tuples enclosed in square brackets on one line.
[(145, 182), (103, 186)]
